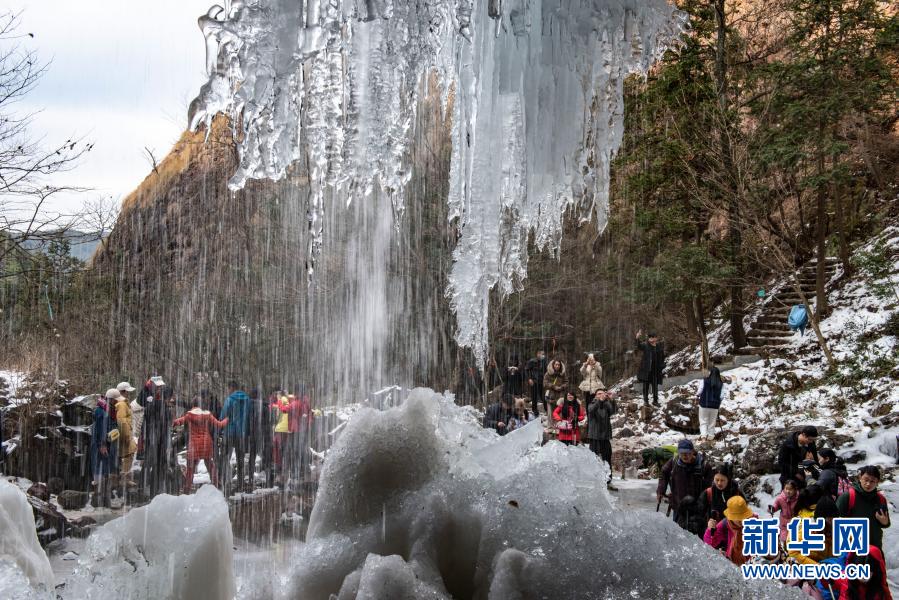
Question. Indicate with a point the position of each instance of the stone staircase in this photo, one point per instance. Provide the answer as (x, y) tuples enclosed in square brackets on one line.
[(769, 332)]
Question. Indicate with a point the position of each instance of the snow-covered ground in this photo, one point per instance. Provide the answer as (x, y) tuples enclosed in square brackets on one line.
[(795, 387)]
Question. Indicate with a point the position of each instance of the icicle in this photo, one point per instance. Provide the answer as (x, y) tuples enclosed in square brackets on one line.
[(537, 117)]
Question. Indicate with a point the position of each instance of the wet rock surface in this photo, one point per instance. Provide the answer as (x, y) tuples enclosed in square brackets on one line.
[(39, 491), (51, 524), (72, 499)]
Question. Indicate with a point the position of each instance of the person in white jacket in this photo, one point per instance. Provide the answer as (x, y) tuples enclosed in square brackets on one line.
[(591, 379)]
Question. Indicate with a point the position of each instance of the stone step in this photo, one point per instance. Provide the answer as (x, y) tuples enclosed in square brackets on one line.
[(757, 342), (762, 351), (812, 271), (790, 301), (770, 324), (780, 310), (776, 333)]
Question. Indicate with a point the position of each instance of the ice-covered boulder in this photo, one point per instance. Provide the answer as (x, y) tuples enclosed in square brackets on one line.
[(176, 547), (420, 501), (20, 550)]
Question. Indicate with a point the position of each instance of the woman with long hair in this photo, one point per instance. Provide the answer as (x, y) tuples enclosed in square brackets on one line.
[(568, 416), (710, 402)]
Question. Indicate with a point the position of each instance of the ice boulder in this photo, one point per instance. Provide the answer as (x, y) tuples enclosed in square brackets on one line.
[(176, 547), (419, 501), (21, 555)]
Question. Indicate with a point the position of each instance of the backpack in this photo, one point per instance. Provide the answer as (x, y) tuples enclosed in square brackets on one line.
[(880, 498), (798, 318)]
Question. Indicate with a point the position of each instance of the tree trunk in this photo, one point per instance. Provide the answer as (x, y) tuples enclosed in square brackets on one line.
[(813, 321), (820, 273), (842, 232), (701, 330), (735, 237)]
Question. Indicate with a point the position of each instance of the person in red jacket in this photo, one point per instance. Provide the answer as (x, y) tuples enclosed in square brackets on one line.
[(200, 445), (875, 588), (568, 416)]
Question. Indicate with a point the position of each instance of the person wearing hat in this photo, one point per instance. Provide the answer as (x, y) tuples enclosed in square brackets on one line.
[(652, 366), (727, 535), (797, 447), (687, 473), (127, 443), (104, 447), (591, 379), (137, 414)]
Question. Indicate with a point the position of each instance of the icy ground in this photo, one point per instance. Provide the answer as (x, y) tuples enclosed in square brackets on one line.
[(416, 502)]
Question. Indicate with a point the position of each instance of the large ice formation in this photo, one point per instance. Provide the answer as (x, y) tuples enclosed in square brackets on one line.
[(23, 563), (176, 547), (421, 502), (534, 88)]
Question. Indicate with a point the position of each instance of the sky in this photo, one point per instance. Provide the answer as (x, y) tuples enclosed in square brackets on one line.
[(121, 75)]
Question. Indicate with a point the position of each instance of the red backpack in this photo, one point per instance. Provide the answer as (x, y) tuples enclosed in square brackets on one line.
[(880, 498)]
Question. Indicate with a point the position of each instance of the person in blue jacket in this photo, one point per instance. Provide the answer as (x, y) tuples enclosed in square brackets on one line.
[(236, 434), (710, 402), (104, 448)]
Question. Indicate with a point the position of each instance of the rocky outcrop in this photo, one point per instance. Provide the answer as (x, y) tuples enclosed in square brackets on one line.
[(39, 491), (72, 499), (760, 457), (680, 414), (51, 524)]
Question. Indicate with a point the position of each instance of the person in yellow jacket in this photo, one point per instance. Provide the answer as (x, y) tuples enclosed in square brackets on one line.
[(824, 508), (127, 445), (281, 409)]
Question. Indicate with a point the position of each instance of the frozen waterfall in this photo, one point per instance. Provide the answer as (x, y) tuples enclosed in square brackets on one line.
[(534, 89)]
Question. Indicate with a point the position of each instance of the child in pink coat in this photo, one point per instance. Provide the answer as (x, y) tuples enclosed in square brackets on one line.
[(786, 504)]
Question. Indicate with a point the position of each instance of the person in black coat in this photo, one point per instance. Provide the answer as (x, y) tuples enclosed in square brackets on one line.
[(798, 446), (713, 500), (652, 366), (710, 402), (535, 370), (599, 427), (494, 378), (833, 469), (514, 380), (157, 399), (497, 415)]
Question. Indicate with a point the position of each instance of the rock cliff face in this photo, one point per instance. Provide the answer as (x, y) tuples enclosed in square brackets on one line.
[(205, 284)]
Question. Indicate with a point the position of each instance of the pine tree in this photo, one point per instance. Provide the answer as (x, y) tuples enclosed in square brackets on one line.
[(832, 68)]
